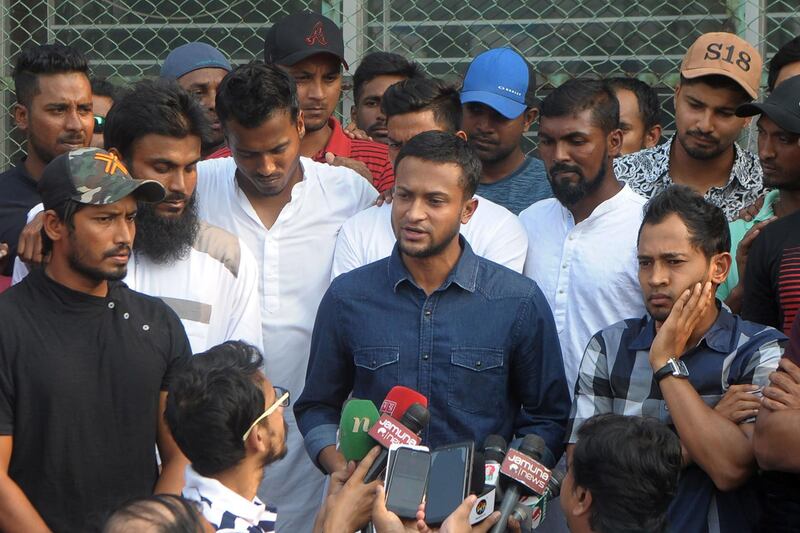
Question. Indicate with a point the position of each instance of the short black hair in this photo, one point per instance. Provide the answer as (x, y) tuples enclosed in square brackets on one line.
[(103, 87), (578, 95), (66, 213), (646, 96), (788, 53), (383, 64), (212, 401), (707, 225), (444, 147), (44, 59), (252, 93), (162, 513), (631, 466), (158, 107), (419, 94), (718, 81)]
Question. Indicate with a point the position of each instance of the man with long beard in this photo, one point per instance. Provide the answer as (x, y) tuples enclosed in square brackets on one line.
[(582, 243), (201, 271)]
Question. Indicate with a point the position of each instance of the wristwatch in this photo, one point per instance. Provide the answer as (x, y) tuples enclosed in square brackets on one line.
[(674, 367)]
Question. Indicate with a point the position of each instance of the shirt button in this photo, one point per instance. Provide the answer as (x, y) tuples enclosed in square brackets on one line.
[(374, 362), (478, 364), (111, 305), (561, 291), (425, 356), (428, 312), (564, 266)]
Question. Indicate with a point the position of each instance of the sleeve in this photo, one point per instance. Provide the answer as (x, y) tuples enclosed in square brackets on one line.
[(385, 179), (329, 380), (7, 387), (760, 301), (20, 269), (244, 322), (366, 195), (509, 246), (178, 345), (793, 348), (761, 362), (593, 395), (537, 376), (346, 256)]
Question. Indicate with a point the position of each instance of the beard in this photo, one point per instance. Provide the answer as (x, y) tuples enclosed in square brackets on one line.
[(274, 455), (75, 259), (166, 240), (701, 154), (571, 193), (435, 248)]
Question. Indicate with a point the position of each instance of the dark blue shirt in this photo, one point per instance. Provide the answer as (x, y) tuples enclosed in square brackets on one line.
[(18, 194), (615, 377), (520, 189), (482, 348)]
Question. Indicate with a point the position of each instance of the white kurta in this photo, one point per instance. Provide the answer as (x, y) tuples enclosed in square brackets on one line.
[(295, 257), (588, 272), (493, 232)]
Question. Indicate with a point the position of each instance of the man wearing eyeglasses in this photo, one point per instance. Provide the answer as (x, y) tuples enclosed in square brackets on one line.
[(227, 418)]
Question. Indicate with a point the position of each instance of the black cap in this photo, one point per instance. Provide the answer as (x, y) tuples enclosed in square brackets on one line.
[(782, 106), (300, 35)]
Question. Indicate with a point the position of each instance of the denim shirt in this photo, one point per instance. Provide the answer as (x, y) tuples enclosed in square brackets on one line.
[(482, 348)]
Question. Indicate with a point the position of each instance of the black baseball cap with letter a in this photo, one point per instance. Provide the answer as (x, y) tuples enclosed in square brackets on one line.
[(301, 35), (782, 106)]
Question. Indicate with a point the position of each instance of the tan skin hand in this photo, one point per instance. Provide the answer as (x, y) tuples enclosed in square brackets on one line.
[(783, 391), (29, 249), (744, 246), (347, 162), (751, 211), (3, 255), (349, 508), (739, 403), (677, 329), (354, 132)]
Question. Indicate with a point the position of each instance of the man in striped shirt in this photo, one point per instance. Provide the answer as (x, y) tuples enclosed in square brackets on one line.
[(227, 418)]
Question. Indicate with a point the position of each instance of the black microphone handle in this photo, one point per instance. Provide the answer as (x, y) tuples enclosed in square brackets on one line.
[(506, 508), (377, 467)]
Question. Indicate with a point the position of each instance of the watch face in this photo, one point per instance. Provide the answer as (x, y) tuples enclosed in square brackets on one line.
[(679, 368)]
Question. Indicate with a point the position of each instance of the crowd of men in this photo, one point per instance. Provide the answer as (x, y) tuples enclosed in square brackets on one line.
[(632, 301)]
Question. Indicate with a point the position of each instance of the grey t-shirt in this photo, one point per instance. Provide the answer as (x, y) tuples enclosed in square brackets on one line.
[(520, 189)]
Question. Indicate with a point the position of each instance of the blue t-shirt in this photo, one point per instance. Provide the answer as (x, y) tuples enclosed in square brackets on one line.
[(520, 189)]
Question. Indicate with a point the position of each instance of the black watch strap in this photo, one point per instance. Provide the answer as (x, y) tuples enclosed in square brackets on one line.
[(674, 367)]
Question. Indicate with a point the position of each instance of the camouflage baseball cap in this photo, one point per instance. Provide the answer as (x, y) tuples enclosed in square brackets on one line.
[(93, 176)]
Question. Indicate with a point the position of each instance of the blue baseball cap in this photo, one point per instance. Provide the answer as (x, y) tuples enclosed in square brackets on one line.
[(501, 79), (190, 57)]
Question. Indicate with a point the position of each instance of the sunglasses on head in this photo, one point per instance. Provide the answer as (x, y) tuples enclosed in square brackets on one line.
[(99, 123)]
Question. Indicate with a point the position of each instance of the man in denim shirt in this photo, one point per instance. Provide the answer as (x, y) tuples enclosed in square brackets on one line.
[(477, 339)]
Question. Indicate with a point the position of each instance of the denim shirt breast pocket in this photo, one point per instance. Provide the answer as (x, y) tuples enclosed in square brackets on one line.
[(376, 367), (478, 379)]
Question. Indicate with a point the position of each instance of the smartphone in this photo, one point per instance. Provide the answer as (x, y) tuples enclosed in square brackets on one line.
[(407, 481), (451, 470)]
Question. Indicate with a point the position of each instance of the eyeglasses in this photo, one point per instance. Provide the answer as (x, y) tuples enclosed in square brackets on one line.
[(282, 396), (99, 123)]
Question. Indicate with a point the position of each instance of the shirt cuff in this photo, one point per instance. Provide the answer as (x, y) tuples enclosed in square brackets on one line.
[(318, 439)]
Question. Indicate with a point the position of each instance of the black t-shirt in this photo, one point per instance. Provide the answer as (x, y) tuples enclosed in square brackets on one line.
[(80, 378), (772, 276), (18, 194)]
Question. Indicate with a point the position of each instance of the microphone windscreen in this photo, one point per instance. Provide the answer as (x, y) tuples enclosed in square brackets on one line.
[(554, 485), (533, 446), (399, 399), (494, 448), (416, 417), (357, 417)]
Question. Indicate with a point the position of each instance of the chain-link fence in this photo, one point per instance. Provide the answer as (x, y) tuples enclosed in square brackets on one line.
[(128, 39)]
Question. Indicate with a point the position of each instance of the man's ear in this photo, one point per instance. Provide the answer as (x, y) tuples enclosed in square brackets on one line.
[(614, 143), (530, 117), (353, 113), (21, 117), (115, 152), (469, 210), (461, 134), (53, 226), (583, 501), (652, 136), (301, 124), (719, 268)]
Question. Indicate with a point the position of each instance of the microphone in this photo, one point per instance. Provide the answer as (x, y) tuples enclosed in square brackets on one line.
[(387, 431), (399, 399), (476, 480), (358, 416), (523, 474), (494, 450)]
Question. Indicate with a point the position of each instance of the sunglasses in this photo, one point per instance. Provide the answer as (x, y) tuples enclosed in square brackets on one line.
[(99, 123), (282, 396)]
